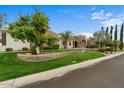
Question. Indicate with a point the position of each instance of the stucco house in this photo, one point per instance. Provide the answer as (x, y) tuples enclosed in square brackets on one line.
[(6, 41), (78, 41)]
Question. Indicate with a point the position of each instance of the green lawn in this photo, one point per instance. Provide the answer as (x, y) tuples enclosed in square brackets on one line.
[(61, 50), (11, 67)]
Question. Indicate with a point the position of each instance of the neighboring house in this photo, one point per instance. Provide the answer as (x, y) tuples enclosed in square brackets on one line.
[(78, 41), (6, 41)]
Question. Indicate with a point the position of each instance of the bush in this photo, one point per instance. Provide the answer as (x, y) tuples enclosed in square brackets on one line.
[(55, 46), (25, 49), (91, 46), (9, 49), (52, 47), (108, 49), (101, 50), (47, 48)]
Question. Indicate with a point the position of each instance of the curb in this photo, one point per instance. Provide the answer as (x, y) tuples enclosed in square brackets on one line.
[(21, 81)]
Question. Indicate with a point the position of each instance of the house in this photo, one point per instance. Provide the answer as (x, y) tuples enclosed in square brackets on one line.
[(78, 41), (6, 41)]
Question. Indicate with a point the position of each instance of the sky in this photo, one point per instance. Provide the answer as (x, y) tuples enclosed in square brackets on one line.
[(80, 19)]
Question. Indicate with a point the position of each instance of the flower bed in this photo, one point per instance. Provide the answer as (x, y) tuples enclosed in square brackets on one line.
[(42, 57)]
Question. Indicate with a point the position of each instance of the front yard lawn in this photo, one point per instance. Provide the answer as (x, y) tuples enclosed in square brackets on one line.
[(61, 50), (11, 67)]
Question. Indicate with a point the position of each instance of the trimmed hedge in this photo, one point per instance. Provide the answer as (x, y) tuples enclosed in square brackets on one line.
[(25, 49), (9, 49), (101, 50), (53, 47), (91, 46)]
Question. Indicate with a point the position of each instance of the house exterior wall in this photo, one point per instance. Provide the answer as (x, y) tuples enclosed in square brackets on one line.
[(11, 43), (69, 44)]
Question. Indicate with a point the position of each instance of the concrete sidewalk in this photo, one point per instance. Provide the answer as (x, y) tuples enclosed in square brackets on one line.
[(18, 82)]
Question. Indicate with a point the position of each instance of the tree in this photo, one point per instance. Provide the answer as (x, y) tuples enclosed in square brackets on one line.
[(51, 40), (31, 29), (116, 29), (111, 37), (100, 37), (107, 38), (66, 36), (115, 38), (111, 33), (121, 38), (107, 31)]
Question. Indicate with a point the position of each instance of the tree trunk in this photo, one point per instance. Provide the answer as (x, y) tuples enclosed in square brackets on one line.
[(38, 50), (65, 45)]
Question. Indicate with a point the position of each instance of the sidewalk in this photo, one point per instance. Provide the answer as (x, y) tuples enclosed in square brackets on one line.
[(53, 73)]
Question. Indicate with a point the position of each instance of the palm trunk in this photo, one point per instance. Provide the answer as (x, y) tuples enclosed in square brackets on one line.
[(65, 45)]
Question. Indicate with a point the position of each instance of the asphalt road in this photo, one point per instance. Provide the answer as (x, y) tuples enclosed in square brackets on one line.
[(107, 74)]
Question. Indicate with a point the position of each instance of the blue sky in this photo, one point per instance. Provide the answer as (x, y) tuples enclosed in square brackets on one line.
[(83, 19)]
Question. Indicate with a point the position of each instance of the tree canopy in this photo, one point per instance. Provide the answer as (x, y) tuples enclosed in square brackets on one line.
[(31, 28)]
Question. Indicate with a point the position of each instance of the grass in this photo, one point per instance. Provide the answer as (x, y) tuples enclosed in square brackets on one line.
[(11, 67), (61, 50)]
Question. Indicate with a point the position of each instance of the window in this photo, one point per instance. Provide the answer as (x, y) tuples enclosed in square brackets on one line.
[(2, 38)]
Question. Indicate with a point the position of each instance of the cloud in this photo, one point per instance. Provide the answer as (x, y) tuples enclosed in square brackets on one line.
[(87, 34), (107, 19), (101, 15), (93, 9), (112, 22)]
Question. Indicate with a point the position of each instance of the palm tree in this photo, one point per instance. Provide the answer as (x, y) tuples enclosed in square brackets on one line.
[(66, 36)]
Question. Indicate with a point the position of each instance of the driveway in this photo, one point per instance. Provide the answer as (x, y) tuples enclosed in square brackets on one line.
[(107, 74)]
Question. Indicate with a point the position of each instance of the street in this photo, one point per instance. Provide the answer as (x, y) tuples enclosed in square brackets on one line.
[(107, 74)]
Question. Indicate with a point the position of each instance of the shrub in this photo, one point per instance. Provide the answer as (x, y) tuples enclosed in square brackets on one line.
[(52, 47), (9, 49), (91, 46), (101, 50), (108, 49), (55, 46), (47, 48), (25, 49)]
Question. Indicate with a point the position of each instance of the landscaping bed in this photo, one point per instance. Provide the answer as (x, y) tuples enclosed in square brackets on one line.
[(42, 57), (11, 67)]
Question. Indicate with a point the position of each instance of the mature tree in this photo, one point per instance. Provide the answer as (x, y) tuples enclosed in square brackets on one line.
[(107, 37), (31, 28), (111, 33), (115, 38), (102, 28), (111, 38), (115, 34), (100, 37), (107, 30), (121, 37), (51, 40), (66, 36)]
